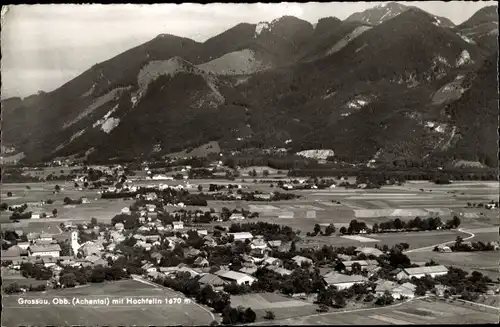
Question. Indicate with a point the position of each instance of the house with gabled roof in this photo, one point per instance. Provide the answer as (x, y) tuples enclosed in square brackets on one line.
[(215, 281), (369, 251), (201, 262), (342, 281), (300, 259), (420, 272), (280, 270), (236, 277)]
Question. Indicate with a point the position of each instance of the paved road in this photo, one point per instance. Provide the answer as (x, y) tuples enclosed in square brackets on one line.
[(431, 247)]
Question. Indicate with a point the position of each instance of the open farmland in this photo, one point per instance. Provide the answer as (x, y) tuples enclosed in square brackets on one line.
[(414, 239), (423, 312), (282, 306), (185, 313), (486, 262), (43, 191)]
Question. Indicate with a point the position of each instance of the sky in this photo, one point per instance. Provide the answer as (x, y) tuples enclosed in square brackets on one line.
[(45, 46)]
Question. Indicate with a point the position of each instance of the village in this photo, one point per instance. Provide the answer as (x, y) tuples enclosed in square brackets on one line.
[(162, 238)]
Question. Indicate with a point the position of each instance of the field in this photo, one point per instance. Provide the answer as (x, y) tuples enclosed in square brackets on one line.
[(133, 314), (484, 262), (283, 307), (426, 311)]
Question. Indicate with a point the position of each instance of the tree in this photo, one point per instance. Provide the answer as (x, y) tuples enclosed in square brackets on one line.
[(317, 229), (93, 221), (323, 308), (76, 185), (339, 300), (265, 173), (85, 184), (420, 290), (343, 230), (330, 229), (9, 194), (57, 188), (269, 315), (375, 228), (28, 187), (54, 212), (68, 280), (398, 224), (385, 299), (200, 188), (356, 268), (249, 315), (340, 266), (456, 221)]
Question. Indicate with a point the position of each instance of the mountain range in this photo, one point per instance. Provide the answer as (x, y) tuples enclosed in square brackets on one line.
[(392, 82)]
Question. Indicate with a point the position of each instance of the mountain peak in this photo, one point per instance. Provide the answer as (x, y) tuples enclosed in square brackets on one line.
[(326, 24), (386, 11)]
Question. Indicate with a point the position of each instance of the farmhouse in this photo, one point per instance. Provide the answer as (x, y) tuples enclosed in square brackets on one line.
[(33, 236), (149, 267), (342, 281), (150, 207), (179, 268), (444, 248), (365, 264), (369, 251), (152, 238), (242, 236), (23, 245), (420, 272), (119, 226), (274, 244), (215, 281), (209, 241), (45, 237), (248, 270), (236, 216), (273, 261), (238, 278), (406, 290), (52, 250), (201, 262), (45, 242), (300, 259), (176, 225), (279, 270), (258, 244), (191, 252)]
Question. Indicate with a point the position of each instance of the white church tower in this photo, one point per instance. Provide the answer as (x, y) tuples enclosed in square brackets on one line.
[(74, 242)]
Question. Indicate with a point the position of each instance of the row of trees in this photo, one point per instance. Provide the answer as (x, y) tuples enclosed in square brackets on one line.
[(329, 230), (378, 175), (268, 230), (460, 246), (16, 288), (418, 224)]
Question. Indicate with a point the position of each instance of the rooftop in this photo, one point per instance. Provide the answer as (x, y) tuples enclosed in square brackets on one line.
[(233, 275), (45, 248), (212, 280), (336, 278), (426, 270)]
